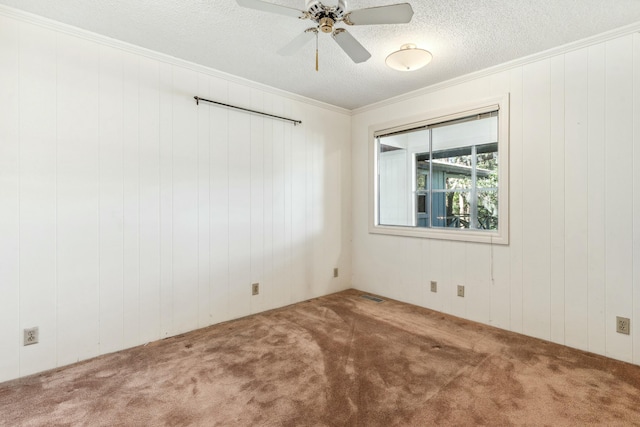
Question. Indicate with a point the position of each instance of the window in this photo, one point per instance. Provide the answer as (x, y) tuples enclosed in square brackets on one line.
[(444, 177)]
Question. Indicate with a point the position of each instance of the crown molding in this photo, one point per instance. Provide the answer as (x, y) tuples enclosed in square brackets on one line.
[(559, 50), (51, 24)]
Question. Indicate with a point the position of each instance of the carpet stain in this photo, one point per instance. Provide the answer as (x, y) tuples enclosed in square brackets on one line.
[(338, 360)]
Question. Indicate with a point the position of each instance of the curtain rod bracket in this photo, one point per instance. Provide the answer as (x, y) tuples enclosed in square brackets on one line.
[(295, 122)]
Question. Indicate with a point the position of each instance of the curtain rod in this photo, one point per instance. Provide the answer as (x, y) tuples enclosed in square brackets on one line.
[(198, 99)]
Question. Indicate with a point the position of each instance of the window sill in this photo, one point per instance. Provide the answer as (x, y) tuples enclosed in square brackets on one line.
[(430, 233)]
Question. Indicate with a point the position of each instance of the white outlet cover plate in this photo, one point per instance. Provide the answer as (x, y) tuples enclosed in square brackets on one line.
[(31, 336)]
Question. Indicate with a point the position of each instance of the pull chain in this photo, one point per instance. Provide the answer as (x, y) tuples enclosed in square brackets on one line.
[(316, 51)]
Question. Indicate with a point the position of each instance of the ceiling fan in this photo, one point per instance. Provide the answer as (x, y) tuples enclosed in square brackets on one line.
[(326, 17)]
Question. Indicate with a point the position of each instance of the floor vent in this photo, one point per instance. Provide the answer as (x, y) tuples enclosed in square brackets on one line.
[(372, 298)]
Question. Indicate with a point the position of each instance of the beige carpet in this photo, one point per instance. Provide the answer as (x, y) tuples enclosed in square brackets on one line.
[(339, 360)]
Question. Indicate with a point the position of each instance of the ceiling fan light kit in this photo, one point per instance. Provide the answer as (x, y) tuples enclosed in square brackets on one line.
[(408, 58), (327, 17)]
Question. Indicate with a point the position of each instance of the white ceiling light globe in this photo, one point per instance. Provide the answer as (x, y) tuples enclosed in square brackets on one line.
[(408, 58)]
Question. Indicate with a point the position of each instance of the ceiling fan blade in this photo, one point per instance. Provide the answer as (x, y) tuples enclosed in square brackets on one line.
[(273, 8), (392, 14), (351, 46), (294, 45)]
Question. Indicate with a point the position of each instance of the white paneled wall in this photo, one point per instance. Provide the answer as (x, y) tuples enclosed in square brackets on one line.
[(129, 214), (573, 262)]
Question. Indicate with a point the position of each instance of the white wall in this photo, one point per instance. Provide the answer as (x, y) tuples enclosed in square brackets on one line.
[(573, 262), (129, 214)]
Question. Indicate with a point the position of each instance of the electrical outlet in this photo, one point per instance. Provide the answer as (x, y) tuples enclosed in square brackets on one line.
[(434, 286), (30, 336), (623, 325), (255, 288), (335, 272), (461, 291)]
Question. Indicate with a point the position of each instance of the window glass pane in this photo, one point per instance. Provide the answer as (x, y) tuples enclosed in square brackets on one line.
[(456, 181), (398, 177), (439, 209), (487, 210), (487, 166), (422, 209), (451, 209), (422, 193), (422, 176), (393, 178)]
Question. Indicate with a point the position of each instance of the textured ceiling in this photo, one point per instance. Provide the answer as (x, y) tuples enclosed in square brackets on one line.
[(463, 35)]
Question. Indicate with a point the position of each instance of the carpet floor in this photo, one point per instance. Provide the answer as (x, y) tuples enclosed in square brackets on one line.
[(339, 360)]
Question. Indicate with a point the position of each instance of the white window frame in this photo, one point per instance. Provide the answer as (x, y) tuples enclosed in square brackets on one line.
[(500, 236)]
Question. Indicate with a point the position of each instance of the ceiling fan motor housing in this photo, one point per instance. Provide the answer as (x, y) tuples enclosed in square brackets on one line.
[(325, 16), (314, 7)]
